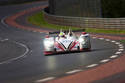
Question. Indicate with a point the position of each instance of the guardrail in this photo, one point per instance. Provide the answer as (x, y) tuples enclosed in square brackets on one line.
[(6, 2), (85, 22)]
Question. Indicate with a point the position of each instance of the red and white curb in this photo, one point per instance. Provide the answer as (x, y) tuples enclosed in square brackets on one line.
[(11, 20)]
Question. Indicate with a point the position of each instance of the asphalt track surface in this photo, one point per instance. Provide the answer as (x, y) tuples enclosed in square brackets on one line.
[(22, 59)]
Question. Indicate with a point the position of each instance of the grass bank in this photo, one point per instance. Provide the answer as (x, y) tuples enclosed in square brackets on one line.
[(122, 41), (37, 19)]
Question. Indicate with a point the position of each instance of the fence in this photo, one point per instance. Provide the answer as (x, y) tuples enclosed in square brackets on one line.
[(84, 22)]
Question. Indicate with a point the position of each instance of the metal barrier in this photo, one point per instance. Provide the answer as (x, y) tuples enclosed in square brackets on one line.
[(5, 2), (85, 22)]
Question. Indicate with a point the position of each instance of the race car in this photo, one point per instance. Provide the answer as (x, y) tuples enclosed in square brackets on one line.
[(66, 42)]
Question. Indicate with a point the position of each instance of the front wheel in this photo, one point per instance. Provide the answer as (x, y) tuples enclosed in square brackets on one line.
[(54, 49), (78, 48)]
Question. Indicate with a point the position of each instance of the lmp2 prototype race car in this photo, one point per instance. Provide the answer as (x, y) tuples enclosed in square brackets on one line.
[(66, 42)]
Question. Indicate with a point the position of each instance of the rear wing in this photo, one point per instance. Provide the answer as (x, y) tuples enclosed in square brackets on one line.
[(65, 31)]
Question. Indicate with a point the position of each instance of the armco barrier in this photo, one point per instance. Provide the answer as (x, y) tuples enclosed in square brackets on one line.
[(85, 22), (6, 2)]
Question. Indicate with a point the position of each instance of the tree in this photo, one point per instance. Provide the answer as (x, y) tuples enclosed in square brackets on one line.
[(113, 8)]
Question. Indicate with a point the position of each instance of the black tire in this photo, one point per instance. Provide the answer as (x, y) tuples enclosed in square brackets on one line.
[(54, 49), (78, 48)]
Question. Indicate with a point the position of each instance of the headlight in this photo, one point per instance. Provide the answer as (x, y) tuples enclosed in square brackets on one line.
[(49, 43), (81, 40)]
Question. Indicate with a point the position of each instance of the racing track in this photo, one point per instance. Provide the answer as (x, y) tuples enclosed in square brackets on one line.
[(34, 65)]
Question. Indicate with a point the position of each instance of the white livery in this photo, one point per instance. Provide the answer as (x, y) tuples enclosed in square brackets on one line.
[(66, 43)]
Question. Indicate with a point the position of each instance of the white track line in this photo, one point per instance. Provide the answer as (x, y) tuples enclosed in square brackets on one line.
[(117, 43), (3, 21), (44, 80), (23, 55), (107, 39), (73, 71), (118, 52), (114, 56), (120, 49), (94, 37), (120, 45), (101, 38), (41, 32), (4, 40), (93, 65), (104, 61), (113, 41)]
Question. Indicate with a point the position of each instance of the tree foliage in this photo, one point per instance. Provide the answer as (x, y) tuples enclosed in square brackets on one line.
[(113, 8)]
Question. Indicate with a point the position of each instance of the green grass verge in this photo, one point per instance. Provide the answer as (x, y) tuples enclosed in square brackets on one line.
[(122, 41), (37, 19), (107, 31)]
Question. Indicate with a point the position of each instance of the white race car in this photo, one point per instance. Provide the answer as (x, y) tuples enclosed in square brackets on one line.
[(66, 42)]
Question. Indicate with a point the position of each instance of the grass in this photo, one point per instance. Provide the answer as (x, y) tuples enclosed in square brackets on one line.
[(38, 19), (122, 41), (107, 31)]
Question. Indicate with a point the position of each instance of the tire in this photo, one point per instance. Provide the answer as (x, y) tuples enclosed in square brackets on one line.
[(54, 49), (78, 48)]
